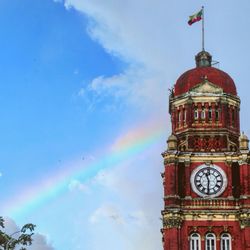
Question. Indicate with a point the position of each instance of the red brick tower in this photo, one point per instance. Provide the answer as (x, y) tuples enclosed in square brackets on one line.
[(207, 164)]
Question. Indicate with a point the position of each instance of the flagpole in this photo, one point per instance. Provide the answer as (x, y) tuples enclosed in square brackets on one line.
[(203, 38)]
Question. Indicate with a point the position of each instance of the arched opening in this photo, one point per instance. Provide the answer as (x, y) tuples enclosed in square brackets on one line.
[(225, 242), (195, 241), (210, 242), (196, 114)]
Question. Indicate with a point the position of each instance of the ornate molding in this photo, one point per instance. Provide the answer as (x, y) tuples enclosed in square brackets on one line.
[(244, 218), (245, 222), (206, 87), (172, 220), (244, 158)]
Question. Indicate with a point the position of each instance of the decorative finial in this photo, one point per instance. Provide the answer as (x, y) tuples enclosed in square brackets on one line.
[(203, 59)]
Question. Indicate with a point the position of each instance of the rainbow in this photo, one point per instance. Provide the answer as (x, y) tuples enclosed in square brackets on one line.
[(39, 192)]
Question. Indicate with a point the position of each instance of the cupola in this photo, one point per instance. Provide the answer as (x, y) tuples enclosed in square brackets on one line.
[(172, 142), (203, 59), (243, 142)]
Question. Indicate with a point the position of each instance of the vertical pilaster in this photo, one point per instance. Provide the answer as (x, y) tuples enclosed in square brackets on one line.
[(246, 236), (245, 228), (223, 115)]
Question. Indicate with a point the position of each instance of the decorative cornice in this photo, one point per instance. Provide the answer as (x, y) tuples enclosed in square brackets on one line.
[(227, 157), (174, 217), (197, 97), (171, 196)]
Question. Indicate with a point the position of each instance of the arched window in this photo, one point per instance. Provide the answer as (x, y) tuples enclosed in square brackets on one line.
[(179, 118), (184, 115), (217, 114), (203, 114), (210, 242), (195, 242), (196, 114), (225, 242), (210, 113)]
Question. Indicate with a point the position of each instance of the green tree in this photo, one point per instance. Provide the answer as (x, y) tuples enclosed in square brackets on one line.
[(20, 239)]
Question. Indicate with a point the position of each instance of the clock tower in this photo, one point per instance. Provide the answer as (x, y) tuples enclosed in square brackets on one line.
[(207, 164)]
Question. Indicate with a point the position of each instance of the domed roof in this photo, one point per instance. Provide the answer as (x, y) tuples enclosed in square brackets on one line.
[(204, 70), (243, 137), (172, 137)]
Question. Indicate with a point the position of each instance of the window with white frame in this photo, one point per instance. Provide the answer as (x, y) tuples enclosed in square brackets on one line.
[(196, 114), (203, 114), (217, 114), (195, 242), (225, 242), (210, 242), (210, 113), (179, 116)]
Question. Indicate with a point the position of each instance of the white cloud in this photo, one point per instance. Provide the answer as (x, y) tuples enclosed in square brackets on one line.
[(10, 225), (134, 30), (128, 196), (106, 211), (153, 39), (139, 218), (138, 36), (134, 86), (135, 187), (39, 241), (113, 214), (81, 92), (77, 185), (105, 177)]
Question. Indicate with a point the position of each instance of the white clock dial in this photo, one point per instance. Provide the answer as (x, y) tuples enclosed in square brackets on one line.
[(209, 181)]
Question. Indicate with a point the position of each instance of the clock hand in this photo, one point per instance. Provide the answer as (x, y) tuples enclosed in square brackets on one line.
[(208, 181)]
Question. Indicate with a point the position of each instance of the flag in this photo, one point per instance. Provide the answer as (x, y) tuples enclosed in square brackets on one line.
[(196, 17)]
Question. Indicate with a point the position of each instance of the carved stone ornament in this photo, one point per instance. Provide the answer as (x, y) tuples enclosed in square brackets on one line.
[(244, 219), (245, 222), (207, 143), (174, 221), (244, 158), (207, 87)]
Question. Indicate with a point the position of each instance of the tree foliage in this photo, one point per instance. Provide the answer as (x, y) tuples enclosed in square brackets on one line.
[(17, 240)]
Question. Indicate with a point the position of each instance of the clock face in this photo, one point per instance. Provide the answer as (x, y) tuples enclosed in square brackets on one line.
[(208, 181)]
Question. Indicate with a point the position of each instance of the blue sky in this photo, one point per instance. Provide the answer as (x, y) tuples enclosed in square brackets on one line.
[(84, 99)]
